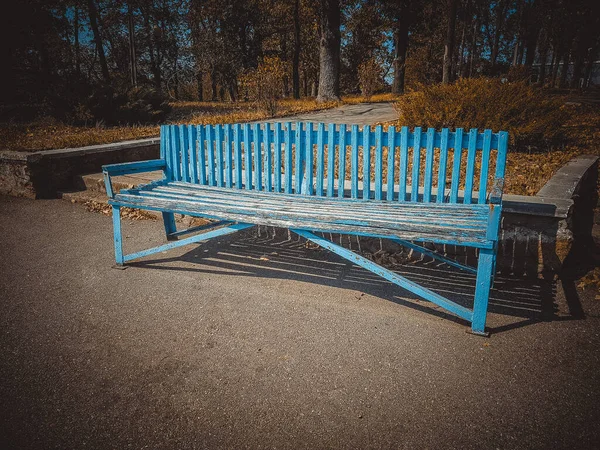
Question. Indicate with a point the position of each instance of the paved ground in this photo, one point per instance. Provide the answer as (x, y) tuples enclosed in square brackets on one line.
[(361, 114), (258, 342)]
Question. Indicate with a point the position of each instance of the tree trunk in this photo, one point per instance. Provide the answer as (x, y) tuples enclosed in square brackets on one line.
[(200, 86), (154, 66), (449, 45), (296, 56), (498, 31), (565, 70), (557, 57), (98, 39), (329, 55), (213, 85), (543, 58), (400, 49), (77, 49), (132, 52)]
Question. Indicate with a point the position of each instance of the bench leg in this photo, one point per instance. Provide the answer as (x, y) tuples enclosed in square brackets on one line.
[(116, 210), (485, 266), (170, 227)]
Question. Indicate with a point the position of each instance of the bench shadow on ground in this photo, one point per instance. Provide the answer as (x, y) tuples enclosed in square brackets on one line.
[(519, 302)]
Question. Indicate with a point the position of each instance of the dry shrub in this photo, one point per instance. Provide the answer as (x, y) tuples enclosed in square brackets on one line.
[(264, 85), (369, 77), (533, 119)]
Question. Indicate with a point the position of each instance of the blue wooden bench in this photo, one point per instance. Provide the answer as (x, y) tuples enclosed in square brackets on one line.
[(413, 187)]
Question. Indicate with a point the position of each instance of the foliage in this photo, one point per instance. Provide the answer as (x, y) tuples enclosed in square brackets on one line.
[(264, 85), (114, 107), (533, 119), (369, 76)]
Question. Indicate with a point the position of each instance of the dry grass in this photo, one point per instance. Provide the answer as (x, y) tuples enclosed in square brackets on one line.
[(377, 98)]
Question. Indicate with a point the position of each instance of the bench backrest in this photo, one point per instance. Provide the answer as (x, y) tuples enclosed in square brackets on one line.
[(340, 160)]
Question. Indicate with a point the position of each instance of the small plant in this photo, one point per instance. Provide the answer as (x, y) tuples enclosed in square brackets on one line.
[(533, 119), (264, 85), (369, 76)]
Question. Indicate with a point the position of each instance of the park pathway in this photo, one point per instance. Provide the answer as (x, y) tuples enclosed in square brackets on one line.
[(360, 114)]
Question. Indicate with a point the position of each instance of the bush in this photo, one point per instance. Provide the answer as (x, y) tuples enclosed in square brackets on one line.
[(369, 77), (113, 107), (264, 85), (533, 119)]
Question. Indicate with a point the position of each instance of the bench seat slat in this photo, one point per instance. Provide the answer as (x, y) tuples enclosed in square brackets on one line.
[(429, 222)]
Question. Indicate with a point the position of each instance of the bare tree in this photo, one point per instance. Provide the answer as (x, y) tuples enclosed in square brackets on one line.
[(329, 56), (449, 46)]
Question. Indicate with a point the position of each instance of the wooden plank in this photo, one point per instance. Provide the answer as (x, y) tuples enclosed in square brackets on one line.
[(219, 153), (193, 134), (428, 166), (502, 153), (470, 173), (210, 145), (441, 186), (299, 154), (308, 187), (416, 168), (228, 156), (403, 164), (277, 157), (456, 159), (342, 161), (354, 162), (288, 163), (268, 158), (201, 155), (237, 150), (391, 158), (320, 158), (378, 162), (330, 159), (485, 165), (366, 162), (168, 148), (247, 157), (257, 139), (184, 146), (175, 151)]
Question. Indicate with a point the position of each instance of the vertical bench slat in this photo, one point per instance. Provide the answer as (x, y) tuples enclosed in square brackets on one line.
[(299, 153), (502, 153), (228, 161), (163, 141), (268, 169), (237, 150), (175, 149), (277, 157), (416, 168), (192, 132), (201, 155), (288, 158), (257, 138), (354, 162), (366, 162), (485, 161), (378, 162), (457, 155), (428, 166), (441, 186), (210, 154), (470, 174), (403, 164), (330, 159), (184, 144), (391, 157), (219, 153), (320, 158), (166, 151), (308, 149), (247, 156), (342, 161)]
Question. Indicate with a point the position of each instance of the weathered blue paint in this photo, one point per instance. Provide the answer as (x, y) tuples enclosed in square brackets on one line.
[(201, 169)]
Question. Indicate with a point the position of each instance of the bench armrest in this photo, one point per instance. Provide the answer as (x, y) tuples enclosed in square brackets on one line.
[(495, 196), (112, 170)]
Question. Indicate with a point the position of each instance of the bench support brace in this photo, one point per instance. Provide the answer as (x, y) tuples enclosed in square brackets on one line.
[(434, 255), (121, 258), (477, 316)]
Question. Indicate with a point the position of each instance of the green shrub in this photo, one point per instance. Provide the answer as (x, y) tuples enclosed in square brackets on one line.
[(533, 119)]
